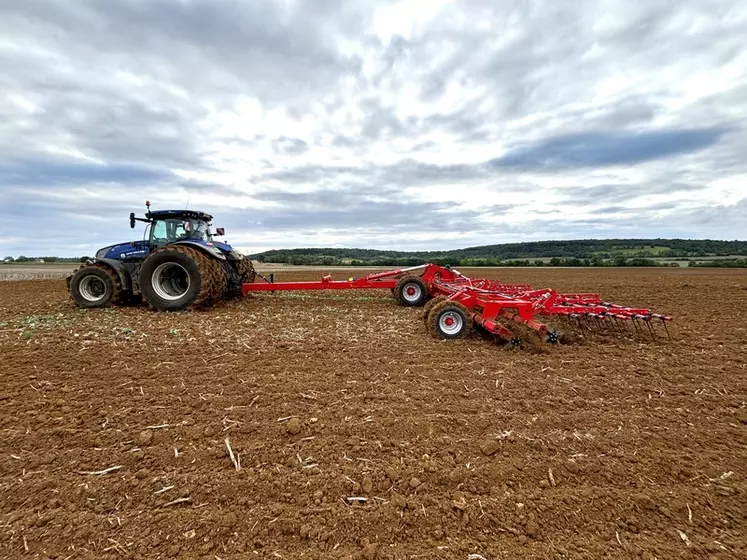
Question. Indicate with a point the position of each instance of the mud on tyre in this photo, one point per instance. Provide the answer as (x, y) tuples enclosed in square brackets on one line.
[(95, 285), (430, 305), (245, 270), (178, 277), (449, 320)]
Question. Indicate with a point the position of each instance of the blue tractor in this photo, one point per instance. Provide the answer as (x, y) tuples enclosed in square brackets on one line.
[(177, 265)]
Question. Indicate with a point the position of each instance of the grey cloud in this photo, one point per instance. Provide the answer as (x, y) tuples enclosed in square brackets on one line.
[(66, 172), (598, 149), (606, 194), (291, 146), (362, 209)]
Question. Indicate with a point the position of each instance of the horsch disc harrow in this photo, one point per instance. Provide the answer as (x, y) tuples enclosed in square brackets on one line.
[(517, 314)]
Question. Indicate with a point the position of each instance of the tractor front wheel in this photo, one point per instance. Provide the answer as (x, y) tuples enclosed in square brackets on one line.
[(95, 286), (177, 277)]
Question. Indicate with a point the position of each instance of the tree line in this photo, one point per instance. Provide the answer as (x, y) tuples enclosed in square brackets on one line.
[(591, 252)]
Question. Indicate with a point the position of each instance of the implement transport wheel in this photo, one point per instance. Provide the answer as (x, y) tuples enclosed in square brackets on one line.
[(95, 285), (430, 305), (449, 320), (411, 291), (178, 277)]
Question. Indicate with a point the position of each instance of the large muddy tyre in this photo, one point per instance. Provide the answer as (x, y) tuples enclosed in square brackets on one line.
[(95, 285), (411, 291), (214, 271), (177, 277), (218, 272), (245, 270), (449, 320)]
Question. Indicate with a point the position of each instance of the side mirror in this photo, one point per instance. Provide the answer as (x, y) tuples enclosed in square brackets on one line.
[(220, 231), (132, 220)]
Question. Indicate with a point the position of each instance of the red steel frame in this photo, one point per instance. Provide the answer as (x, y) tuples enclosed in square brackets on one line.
[(486, 300)]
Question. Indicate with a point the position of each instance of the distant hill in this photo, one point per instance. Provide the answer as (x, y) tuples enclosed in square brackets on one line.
[(585, 252)]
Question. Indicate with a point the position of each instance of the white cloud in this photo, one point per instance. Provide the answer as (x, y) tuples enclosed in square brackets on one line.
[(406, 124)]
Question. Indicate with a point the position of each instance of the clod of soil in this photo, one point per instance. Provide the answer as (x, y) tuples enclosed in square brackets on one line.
[(490, 447), (367, 484), (293, 426), (145, 437)]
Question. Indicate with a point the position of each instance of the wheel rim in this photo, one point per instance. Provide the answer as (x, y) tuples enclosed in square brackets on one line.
[(92, 288), (451, 323), (412, 292), (170, 281)]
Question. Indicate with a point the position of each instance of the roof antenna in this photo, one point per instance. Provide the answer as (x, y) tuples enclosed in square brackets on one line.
[(188, 199)]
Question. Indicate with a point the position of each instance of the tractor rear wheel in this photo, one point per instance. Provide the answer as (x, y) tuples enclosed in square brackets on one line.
[(95, 285), (411, 291), (245, 270), (177, 277)]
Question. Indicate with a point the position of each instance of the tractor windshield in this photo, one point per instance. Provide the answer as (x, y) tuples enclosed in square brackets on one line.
[(169, 230)]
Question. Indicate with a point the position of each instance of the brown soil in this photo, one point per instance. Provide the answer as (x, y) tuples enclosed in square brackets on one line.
[(605, 449)]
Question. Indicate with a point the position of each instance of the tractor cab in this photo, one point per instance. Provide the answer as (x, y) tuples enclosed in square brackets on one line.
[(169, 226)]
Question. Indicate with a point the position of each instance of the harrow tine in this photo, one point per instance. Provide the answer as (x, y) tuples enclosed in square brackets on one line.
[(650, 329), (663, 322)]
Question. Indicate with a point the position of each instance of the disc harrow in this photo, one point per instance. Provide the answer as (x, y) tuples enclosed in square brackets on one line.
[(513, 313)]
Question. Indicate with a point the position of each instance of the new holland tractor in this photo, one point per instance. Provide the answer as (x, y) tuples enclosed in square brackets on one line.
[(177, 265)]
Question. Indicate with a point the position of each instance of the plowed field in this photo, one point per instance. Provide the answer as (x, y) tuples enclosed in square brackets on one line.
[(357, 435)]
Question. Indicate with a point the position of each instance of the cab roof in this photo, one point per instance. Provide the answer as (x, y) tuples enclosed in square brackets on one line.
[(163, 214)]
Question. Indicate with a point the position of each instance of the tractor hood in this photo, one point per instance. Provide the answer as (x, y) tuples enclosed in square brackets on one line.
[(224, 247), (138, 250), (131, 250)]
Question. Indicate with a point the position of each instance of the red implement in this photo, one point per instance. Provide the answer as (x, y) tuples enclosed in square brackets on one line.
[(458, 302)]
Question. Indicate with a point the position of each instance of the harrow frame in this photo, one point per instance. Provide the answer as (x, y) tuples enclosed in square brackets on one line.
[(458, 302)]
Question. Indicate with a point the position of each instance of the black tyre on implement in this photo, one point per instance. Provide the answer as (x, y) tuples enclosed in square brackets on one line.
[(450, 320), (178, 277), (95, 285), (411, 291), (430, 305)]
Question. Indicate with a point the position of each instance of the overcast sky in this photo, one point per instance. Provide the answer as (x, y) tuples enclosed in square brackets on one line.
[(411, 125)]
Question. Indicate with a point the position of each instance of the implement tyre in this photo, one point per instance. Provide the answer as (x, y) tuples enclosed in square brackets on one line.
[(411, 291), (430, 305), (95, 285), (178, 277), (449, 320)]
